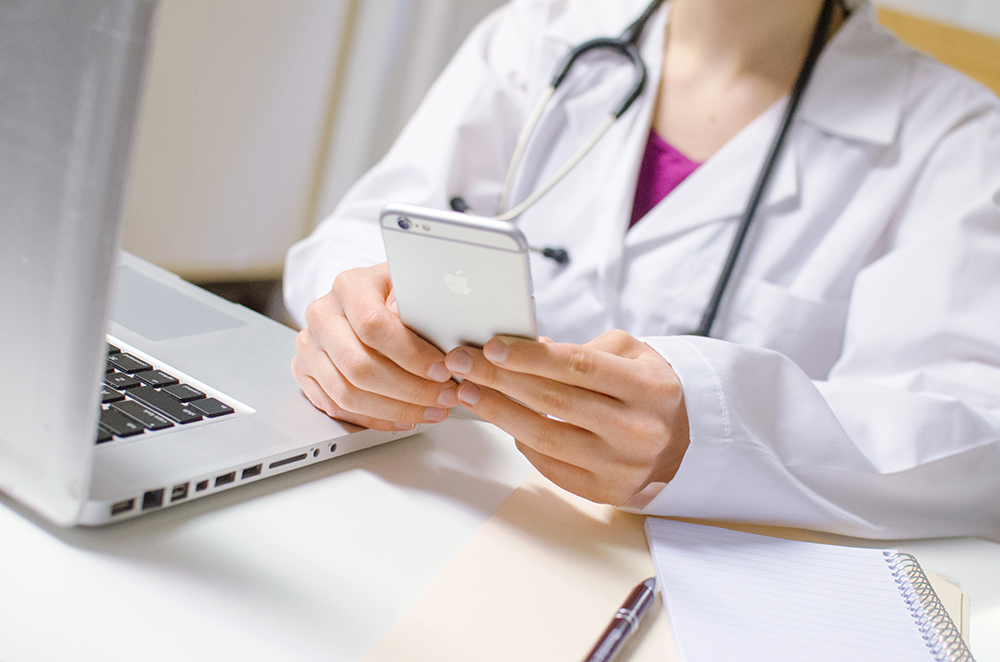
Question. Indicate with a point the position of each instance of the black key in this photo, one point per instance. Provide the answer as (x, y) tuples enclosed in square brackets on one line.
[(119, 424), (156, 378), (149, 418), (211, 407), (121, 381), (103, 435), (184, 392), (112, 349), (108, 369), (174, 410), (128, 363), (108, 394)]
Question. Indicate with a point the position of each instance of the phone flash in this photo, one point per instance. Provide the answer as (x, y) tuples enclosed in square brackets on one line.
[(426, 227)]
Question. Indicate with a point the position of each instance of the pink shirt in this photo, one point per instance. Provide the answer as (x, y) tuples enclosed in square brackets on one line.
[(663, 169)]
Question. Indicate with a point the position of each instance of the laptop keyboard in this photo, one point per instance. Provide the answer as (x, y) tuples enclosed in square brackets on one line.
[(138, 398)]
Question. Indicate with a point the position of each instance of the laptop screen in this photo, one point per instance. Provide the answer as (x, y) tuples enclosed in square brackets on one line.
[(71, 75)]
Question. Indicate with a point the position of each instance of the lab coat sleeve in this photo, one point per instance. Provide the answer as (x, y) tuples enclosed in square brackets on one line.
[(457, 143), (902, 439)]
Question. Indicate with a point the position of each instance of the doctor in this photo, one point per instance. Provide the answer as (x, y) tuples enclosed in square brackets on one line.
[(851, 379)]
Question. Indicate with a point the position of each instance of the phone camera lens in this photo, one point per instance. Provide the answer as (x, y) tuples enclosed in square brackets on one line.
[(403, 223)]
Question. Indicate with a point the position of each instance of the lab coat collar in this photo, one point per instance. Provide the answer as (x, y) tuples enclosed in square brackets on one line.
[(720, 188), (605, 19), (862, 68)]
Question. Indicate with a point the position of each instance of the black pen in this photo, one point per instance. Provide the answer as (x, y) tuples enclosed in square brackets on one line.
[(625, 622)]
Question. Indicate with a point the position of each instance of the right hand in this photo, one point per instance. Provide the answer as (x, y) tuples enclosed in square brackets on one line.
[(357, 362)]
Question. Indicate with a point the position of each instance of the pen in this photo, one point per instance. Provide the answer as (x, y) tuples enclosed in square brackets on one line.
[(624, 623)]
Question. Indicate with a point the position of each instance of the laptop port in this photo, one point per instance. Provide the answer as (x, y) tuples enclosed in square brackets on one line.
[(122, 507), (152, 499), (201, 486), (179, 492), (287, 460), (250, 472), (225, 479)]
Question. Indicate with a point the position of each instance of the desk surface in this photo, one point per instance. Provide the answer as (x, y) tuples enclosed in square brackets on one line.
[(312, 565)]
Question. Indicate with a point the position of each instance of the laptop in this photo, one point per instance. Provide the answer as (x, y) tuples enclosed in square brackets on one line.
[(123, 389)]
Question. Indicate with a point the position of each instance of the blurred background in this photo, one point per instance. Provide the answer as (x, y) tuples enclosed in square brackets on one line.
[(259, 114)]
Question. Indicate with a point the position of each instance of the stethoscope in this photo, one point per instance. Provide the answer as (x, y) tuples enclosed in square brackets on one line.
[(627, 45)]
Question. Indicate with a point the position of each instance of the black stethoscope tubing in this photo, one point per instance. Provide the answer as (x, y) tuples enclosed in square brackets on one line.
[(627, 46), (764, 178)]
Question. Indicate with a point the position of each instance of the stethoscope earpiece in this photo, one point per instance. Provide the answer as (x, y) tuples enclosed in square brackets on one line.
[(560, 255)]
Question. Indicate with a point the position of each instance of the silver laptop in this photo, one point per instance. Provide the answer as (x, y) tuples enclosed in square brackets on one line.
[(123, 389)]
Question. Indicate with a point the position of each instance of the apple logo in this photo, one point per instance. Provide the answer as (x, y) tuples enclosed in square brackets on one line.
[(457, 283)]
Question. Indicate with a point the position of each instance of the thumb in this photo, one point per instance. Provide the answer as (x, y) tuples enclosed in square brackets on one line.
[(390, 302)]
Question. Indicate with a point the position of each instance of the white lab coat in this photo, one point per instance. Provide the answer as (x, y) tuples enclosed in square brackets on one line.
[(853, 380)]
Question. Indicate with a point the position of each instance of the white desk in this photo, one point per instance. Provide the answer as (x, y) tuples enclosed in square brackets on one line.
[(313, 565)]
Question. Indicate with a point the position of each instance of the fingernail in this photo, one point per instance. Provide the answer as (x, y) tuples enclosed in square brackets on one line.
[(496, 351), (448, 397), (468, 393), (459, 362), (403, 426), (435, 414), (439, 372)]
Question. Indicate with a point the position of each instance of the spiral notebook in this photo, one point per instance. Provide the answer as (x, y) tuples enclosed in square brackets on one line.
[(732, 595)]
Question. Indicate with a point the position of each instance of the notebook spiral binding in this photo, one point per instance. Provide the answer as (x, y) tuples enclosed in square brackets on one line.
[(936, 626)]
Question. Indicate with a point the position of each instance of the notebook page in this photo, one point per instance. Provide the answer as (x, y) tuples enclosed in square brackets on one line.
[(739, 596)]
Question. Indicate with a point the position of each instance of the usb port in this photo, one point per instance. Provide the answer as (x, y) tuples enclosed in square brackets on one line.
[(152, 499), (250, 472), (179, 492), (122, 507), (225, 479)]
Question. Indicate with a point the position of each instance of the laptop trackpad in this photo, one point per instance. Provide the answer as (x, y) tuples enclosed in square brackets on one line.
[(159, 312)]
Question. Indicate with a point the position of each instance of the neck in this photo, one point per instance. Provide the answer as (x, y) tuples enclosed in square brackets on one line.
[(736, 38)]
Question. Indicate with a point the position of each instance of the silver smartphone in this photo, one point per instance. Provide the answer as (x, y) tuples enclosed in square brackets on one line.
[(459, 279)]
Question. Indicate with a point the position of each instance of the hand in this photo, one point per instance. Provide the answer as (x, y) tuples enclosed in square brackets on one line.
[(357, 362), (602, 420)]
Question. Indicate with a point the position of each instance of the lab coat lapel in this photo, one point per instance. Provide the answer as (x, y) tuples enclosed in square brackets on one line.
[(718, 191), (863, 67)]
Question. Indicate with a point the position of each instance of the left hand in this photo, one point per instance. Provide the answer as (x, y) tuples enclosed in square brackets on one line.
[(602, 420)]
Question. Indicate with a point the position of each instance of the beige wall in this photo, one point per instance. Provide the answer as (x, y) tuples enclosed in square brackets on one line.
[(237, 93), (259, 114)]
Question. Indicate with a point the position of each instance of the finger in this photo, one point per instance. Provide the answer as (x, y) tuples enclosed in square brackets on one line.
[(579, 406), (319, 398), (578, 365), (313, 366), (369, 370), (350, 399), (364, 303), (615, 364), (557, 439), (391, 303)]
